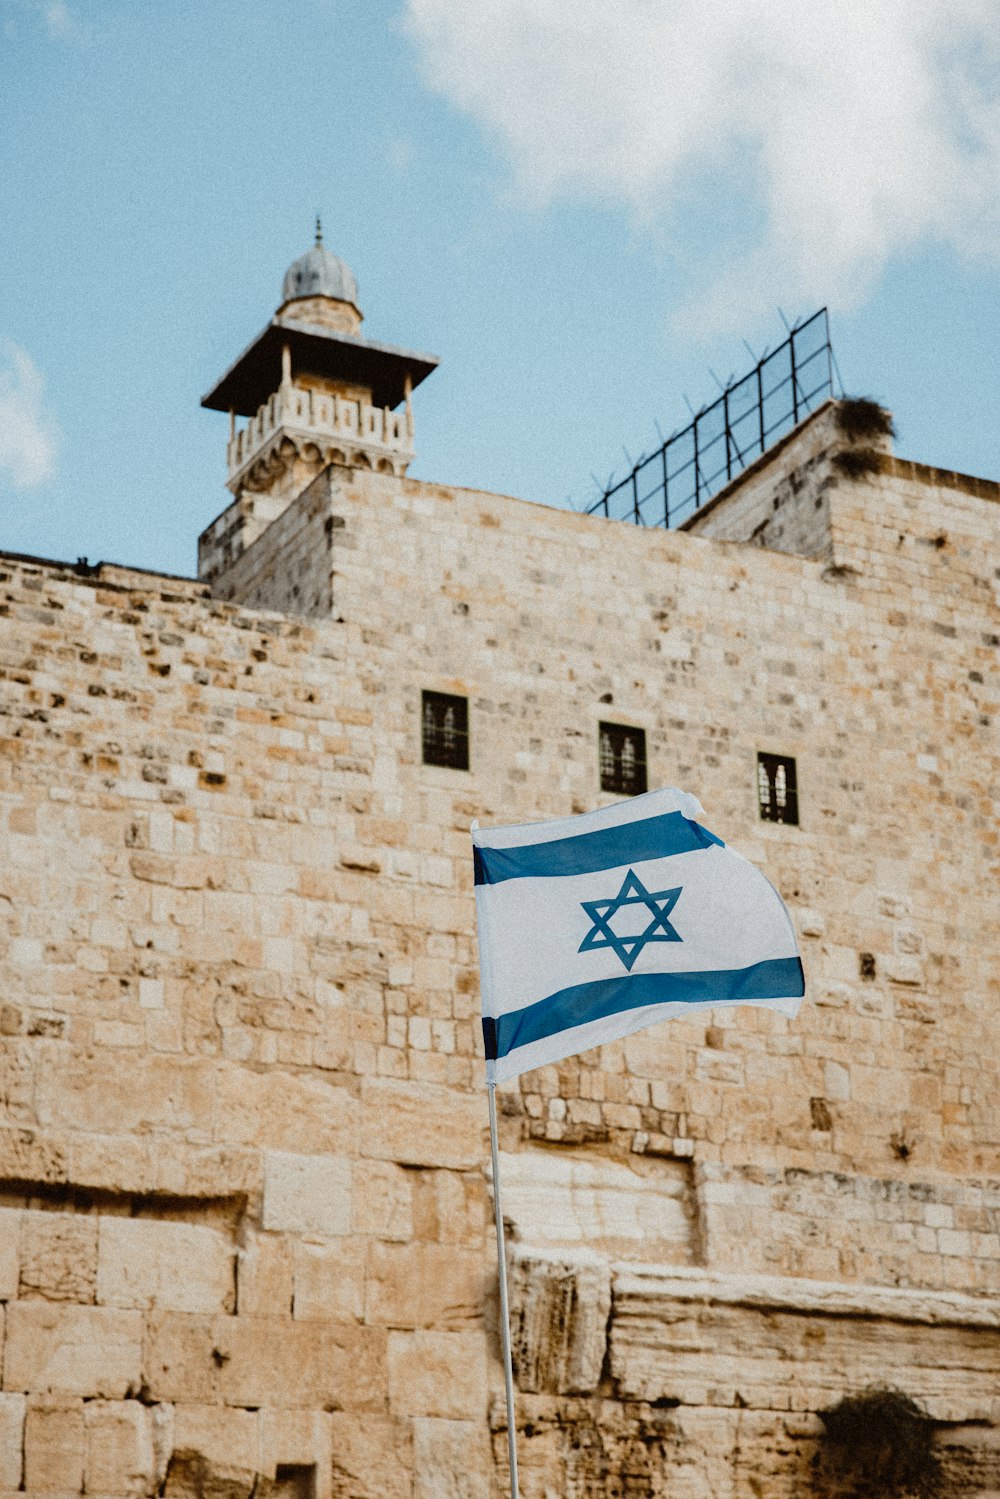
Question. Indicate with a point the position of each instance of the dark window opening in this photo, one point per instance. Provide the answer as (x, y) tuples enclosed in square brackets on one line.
[(445, 720), (777, 790), (622, 754)]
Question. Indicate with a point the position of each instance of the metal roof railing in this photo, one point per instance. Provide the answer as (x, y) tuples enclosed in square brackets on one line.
[(666, 487)]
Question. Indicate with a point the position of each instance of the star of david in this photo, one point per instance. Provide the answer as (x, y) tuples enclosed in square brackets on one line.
[(659, 904)]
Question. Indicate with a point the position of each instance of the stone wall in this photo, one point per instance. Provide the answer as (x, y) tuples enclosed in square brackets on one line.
[(246, 1227)]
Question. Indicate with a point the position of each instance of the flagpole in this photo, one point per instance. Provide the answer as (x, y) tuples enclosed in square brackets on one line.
[(508, 1371)]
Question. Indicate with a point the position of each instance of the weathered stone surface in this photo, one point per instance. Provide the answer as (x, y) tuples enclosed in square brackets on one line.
[(298, 1439), (10, 1264), (425, 1285), (264, 1276), (12, 1409), (54, 1444), (420, 1124), (120, 1457), (559, 1322), (72, 1350), (607, 1207), (372, 1456), (307, 1193), (265, 1361), (330, 1282), (437, 1374), (183, 1266), (451, 1460)]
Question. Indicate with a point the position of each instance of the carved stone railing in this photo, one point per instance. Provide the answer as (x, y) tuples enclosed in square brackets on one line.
[(341, 428)]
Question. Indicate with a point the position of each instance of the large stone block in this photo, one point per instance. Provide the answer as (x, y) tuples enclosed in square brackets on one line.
[(287, 1111), (54, 1444), (330, 1281), (10, 1262), (120, 1458), (262, 1361), (559, 1319), (307, 1193), (183, 1266), (639, 1211), (438, 1374), (425, 1285), (383, 1200), (372, 1456), (58, 1256), (298, 1439), (12, 1409), (421, 1124), (218, 1435), (264, 1277), (451, 1459), (72, 1350)]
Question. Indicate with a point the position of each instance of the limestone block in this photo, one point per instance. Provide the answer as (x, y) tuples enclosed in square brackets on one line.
[(58, 1256), (383, 1200), (304, 1364), (421, 1124), (12, 1408), (72, 1350), (638, 1211), (139, 1092), (33, 1155), (372, 1456), (120, 1459), (559, 1317), (54, 1444), (330, 1281), (113, 1163), (178, 1361), (218, 1435), (264, 1277), (425, 1285), (284, 1111), (185, 1266), (451, 1459), (298, 1439), (10, 1235), (191, 1476), (437, 1374), (258, 1361), (307, 1193)]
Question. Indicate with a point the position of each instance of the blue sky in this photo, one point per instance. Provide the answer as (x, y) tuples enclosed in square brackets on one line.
[(580, 221)]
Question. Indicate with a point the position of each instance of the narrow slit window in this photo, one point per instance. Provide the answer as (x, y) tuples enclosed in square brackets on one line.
[(622, 759), (777, 789), (445, 728)]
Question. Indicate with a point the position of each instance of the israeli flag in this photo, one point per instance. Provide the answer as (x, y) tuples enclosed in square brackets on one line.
[(592, 927)]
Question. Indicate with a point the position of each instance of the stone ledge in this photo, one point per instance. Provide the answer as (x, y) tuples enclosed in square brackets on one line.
[(809, 1297)]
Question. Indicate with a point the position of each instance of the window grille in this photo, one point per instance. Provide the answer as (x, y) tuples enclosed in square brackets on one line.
[(445, 721), (777, 789), (622, 757)]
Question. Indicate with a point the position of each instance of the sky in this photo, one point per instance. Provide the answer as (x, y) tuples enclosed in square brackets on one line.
[(587, 211)]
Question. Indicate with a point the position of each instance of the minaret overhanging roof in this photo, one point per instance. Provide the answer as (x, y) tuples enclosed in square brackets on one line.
[(317, 350)]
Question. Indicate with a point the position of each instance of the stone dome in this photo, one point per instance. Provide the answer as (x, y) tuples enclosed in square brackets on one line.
[(320, 273)]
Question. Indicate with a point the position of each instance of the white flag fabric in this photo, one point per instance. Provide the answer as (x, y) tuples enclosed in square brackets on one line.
[(592, 927)]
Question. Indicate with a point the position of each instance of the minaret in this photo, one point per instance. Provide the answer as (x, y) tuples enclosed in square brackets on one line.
[(313, 391)]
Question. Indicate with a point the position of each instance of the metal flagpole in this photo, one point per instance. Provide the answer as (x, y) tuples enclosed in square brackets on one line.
[(508, 1371)]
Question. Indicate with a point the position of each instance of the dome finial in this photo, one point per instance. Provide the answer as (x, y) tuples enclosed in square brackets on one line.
[(319, 231)]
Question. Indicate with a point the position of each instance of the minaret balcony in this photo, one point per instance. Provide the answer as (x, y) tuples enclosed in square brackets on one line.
[(320, 426)]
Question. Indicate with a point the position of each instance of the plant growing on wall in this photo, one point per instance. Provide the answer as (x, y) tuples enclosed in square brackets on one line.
[(878, 1445)]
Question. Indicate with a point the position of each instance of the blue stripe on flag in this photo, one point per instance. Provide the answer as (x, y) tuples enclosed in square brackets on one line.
[(608, 848), (777, 978)]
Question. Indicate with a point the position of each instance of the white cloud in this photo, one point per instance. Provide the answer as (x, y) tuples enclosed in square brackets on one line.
[(850, 132), (27, 433), (55, 15)]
